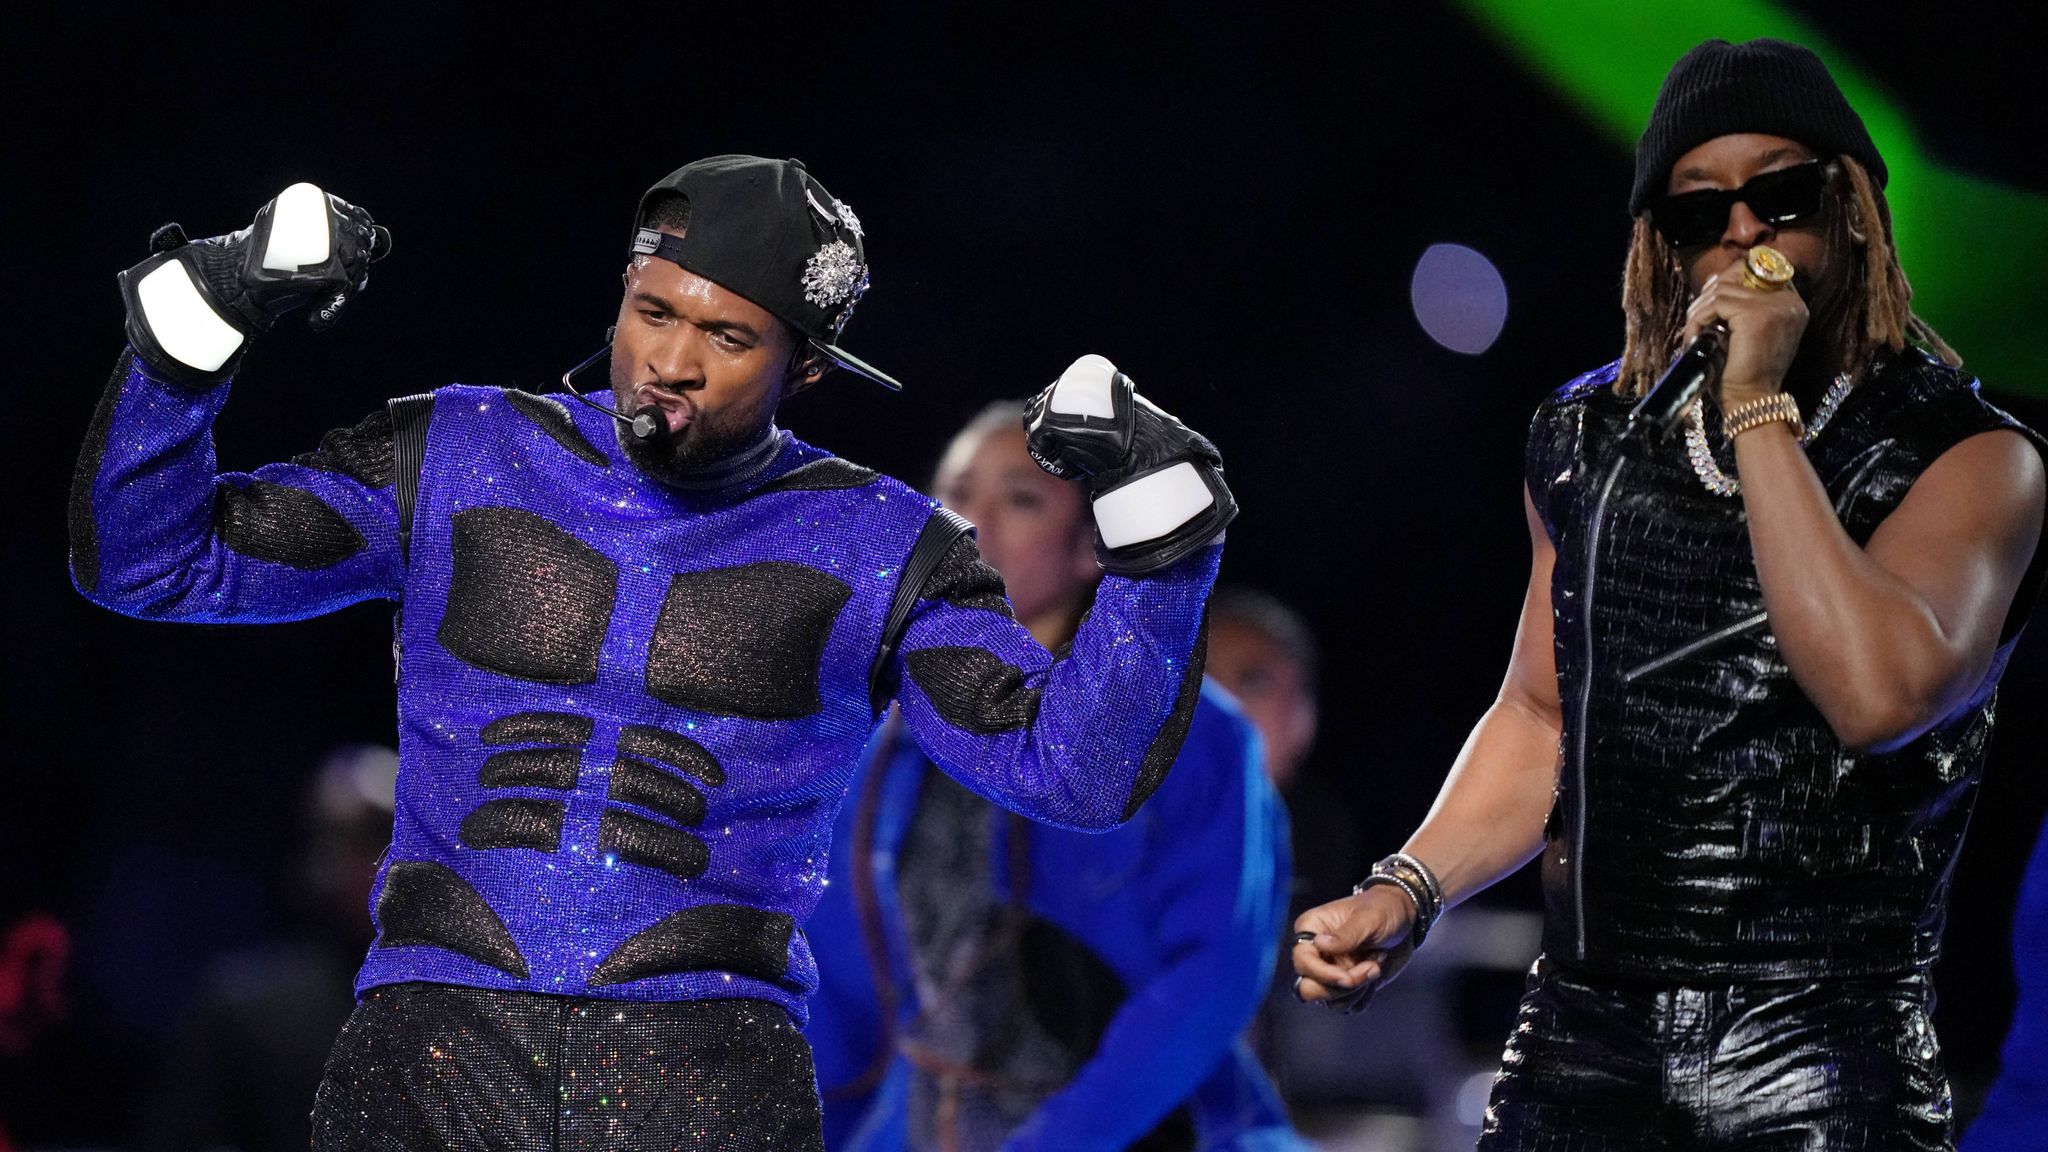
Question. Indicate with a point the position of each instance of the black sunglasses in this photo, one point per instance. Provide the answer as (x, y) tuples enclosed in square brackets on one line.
[(1786, 196)]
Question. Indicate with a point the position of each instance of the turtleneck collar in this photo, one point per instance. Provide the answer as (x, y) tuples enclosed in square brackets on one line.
[(737, 468)]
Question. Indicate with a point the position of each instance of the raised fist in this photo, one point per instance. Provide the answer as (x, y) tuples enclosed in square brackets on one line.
[(193, 306), (1157, 487)]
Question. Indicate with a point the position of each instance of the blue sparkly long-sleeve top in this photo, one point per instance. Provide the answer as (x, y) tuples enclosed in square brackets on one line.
[(628, 712)]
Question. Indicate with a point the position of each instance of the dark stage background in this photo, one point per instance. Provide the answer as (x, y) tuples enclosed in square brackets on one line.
[(1229, 206)]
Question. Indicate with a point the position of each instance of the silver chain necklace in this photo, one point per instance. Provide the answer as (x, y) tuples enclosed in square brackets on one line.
[(1702, 457)]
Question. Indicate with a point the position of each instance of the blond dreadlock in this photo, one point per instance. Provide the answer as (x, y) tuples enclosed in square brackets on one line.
[(1654, 293)]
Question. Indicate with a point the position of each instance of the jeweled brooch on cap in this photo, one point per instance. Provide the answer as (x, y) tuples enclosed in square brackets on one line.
[(847, 218), (835, 275)]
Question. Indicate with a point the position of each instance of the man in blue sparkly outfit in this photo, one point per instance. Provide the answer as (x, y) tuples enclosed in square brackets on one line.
[(638, 655)]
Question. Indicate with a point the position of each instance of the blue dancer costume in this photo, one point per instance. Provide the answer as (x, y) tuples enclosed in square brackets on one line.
[(627, 710), (1065, 991), (2011, 1118)]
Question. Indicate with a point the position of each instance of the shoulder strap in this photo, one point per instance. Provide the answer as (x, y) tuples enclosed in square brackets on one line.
[(409, 416), (940, 533)]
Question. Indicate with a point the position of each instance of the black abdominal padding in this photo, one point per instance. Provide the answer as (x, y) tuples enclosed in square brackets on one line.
[(427, 903), (362, 453), (526, 599), (660, 746), (539, 728), (745, 641), (652, 844), (531, 768), (285, 525), (711, 938), (964, 580), (1166, 746), (974, 689), (554, 420), (514, 824), (85, 538), (824, 475), (661, 792)]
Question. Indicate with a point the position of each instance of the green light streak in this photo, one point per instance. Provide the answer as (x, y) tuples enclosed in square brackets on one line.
[(1974, 248)]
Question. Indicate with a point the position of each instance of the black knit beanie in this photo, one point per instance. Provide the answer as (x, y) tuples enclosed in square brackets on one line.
[(1767, 86)]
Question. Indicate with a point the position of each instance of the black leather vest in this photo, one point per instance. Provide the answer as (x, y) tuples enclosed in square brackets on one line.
[(1709, 823)]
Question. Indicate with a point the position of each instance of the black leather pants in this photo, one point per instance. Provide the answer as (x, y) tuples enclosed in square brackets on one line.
[(1597, 1065), (431, 1066)]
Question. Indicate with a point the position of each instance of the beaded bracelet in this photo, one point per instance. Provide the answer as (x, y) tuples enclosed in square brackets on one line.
[(1421, 870), (1417, 882), (1415, 897)]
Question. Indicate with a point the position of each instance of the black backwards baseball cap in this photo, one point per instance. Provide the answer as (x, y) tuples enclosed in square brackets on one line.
[(1764, 85), (769, 231)]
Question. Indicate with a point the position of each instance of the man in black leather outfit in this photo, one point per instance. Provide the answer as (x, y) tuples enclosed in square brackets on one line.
[(1753, 682)]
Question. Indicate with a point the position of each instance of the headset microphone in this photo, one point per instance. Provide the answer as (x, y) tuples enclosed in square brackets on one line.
[(647, 425)]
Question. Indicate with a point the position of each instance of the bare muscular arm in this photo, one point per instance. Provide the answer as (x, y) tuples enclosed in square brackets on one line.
[(1886, 639), (1486, 822)]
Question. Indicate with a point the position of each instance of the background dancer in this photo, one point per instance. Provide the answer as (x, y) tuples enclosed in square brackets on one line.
[(2011, 1119), (989, 983)]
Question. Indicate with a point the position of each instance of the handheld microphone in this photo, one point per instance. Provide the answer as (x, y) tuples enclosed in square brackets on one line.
[(1664, 405), (1764, 269), (647, 424)]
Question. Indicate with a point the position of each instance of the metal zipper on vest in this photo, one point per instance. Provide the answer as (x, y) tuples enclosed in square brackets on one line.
[(1695, 646), (1585, 704)]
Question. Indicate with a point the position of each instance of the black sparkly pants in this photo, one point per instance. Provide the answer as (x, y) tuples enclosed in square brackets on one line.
[(1604, 1066), (432, 1066)]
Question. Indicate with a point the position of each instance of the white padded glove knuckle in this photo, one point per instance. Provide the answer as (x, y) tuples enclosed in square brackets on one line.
[(1085, 389)]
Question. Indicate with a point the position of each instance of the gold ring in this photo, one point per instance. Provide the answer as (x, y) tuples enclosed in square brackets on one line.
[(1765, 269)]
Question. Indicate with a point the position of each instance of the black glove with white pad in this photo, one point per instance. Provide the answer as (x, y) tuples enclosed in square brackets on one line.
[(193, 306), (1157, 487)]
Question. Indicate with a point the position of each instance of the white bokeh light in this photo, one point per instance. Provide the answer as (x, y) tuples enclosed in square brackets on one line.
[(1459, 298)]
